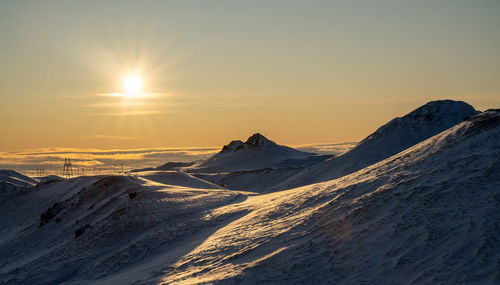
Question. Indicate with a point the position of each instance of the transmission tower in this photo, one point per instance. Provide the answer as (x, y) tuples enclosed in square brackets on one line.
[(40, 172), (68, 169)]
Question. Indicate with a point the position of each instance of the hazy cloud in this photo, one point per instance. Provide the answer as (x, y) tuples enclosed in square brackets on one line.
[(52, 159)]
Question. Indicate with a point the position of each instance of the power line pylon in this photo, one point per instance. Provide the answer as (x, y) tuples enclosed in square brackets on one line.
[(68, 169)]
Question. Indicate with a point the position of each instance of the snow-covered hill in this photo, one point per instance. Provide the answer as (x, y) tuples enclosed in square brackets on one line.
[(16, 179), (90, 227), (257, 152), (13, 183), (426, 215), (393, 137)]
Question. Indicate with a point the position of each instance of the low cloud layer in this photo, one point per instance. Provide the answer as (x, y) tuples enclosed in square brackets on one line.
[(51, 160), (93, 161)]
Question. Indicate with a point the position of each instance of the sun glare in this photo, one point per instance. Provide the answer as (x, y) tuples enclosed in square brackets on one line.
[(132, 84)]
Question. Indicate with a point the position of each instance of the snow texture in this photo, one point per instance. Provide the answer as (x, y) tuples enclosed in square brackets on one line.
[(427, 214)]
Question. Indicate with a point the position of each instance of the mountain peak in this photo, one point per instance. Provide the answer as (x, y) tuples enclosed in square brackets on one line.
[(254, 141), (257, 140), (257, 152), (442, 108), (424, 122)]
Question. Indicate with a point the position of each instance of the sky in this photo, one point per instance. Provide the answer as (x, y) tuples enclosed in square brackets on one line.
[(299, 72)]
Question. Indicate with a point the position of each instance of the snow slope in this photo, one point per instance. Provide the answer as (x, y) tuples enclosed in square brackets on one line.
[(12, 183), (257, 152), (259, 181), (90, 227), (428, 215), (176, 178), (393, 137), (16, 179)]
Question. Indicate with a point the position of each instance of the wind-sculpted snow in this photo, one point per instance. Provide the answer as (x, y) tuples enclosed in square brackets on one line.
[(12, 179), (13, 183), (178, 178), (87, 228)]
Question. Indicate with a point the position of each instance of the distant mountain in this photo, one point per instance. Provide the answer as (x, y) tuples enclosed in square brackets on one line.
[(392, 138), (257, 152), (166, 166)]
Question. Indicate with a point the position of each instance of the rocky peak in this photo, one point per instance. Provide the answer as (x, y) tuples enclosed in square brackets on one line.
[(258, 140), (232, 146)]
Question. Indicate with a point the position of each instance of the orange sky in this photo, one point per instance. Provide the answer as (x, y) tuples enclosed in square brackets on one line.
[(298, 71)]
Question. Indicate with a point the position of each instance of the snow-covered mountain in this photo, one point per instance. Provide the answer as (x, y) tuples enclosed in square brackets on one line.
[(426, 215), (393, 137), (257, 152)]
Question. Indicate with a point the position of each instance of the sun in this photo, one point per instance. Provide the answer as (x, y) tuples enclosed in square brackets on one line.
[(132, 84)]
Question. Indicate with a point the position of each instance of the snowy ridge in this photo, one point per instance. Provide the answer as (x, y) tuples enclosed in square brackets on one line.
[(176, 178), (393, 137), (16, 179), (13, 183)]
